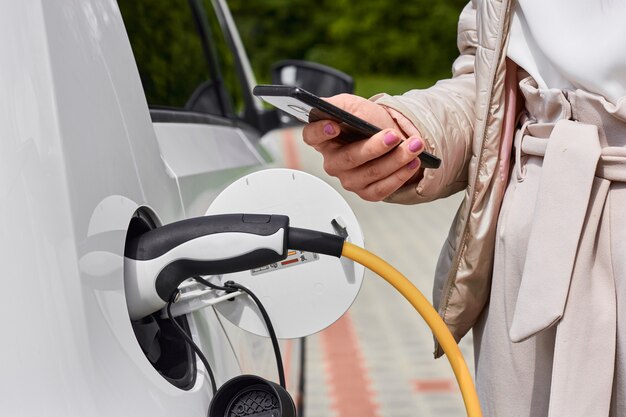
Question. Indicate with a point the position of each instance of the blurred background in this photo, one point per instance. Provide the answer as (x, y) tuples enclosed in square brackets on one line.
[(388, 45)]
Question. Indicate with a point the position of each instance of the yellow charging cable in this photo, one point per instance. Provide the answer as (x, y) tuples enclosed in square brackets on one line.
[(429, 314)]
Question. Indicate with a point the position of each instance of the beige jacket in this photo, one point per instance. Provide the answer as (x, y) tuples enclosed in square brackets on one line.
[(462, 119)]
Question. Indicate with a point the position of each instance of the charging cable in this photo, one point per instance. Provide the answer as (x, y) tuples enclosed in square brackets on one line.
[(190, 342), (324, 243), (430, 316), (229, 287)]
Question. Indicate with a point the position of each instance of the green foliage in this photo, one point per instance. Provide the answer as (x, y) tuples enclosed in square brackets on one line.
[(415, 37), (169, 53), (170, 76), (368, 85), (273, 30)]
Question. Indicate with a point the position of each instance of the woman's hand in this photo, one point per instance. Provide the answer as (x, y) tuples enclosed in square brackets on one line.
[(372, 168)]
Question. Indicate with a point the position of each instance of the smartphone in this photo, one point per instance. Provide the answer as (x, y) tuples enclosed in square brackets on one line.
[(308, 107)]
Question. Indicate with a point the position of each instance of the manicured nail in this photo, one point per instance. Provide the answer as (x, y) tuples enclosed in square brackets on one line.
[(391, 139), (413, 164), (329, 129), (415, 145)]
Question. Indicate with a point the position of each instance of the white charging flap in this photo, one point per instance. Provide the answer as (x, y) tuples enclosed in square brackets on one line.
[(306, 292)]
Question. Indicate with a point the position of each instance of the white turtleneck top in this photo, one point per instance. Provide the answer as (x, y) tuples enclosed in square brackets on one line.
[(572, 44)]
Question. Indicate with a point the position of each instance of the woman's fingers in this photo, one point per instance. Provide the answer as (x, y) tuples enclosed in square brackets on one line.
[(363, 176), (316, 133), (383, 188), (359, 153)]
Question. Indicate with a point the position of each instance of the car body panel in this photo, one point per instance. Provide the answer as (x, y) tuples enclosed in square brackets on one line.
[(78, 155), (204, 159)]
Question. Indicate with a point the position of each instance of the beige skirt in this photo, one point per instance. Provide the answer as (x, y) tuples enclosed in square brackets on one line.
[(552, 341)]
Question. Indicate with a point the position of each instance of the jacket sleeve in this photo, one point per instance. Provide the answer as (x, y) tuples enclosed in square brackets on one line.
[(444, 117)]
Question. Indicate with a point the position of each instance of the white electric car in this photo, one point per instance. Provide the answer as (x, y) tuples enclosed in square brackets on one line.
[(116, 117)]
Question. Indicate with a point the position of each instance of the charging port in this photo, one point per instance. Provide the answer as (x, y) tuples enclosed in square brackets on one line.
[(166, 351)]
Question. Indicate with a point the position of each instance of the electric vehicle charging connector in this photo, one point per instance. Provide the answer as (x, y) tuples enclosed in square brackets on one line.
[(158, 261)]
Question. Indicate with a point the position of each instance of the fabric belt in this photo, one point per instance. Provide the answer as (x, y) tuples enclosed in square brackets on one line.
[(610, 165), (567, 277), (570, 159)]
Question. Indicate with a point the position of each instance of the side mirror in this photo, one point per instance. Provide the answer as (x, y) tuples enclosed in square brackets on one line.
[(321, 80), (316, 78)]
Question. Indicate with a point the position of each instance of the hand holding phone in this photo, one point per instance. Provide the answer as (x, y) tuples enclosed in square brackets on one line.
[(307, 108)]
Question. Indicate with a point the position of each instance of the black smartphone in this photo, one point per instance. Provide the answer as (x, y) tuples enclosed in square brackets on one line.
[(308, 107)]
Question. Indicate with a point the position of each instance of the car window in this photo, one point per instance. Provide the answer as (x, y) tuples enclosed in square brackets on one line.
[(225, 58), (175, 56)]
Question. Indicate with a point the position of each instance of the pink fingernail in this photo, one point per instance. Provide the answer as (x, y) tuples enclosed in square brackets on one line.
[(415, 145), (413, 164), (329, 129), (391, 139)]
